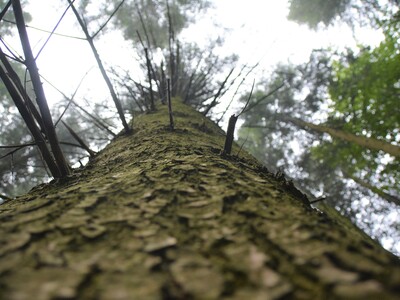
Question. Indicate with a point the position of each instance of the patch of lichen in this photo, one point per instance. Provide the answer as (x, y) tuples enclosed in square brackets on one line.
[(160, 214)]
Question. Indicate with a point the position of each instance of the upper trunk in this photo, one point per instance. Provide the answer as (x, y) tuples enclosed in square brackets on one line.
[(160, 214)]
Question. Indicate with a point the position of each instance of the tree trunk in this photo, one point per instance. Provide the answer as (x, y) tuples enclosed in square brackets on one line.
[(374, 189), (160, 214), (362, 141)]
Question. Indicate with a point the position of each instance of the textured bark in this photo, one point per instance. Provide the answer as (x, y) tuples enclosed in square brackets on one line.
[(160, 214)]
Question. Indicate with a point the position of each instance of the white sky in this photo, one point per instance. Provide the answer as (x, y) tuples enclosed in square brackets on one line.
[(257, 30)]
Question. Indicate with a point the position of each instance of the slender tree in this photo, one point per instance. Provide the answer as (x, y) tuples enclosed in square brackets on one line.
[(366, 142), (106, 78)]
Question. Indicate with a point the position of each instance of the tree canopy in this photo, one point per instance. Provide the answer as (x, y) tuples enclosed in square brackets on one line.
[(353, 92), (316, 12)]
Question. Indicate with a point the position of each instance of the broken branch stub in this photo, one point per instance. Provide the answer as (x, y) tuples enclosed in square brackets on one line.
[(229, 134), (171, 117), (148, 63)]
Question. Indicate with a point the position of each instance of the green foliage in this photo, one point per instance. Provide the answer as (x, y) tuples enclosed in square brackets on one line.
[(313, 12), (365, 91), (7, 25), (354, 93), (154, 14), (316, 12)]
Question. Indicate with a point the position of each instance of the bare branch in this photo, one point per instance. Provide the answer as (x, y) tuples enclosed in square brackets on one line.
[(4, 197), (108, 20), (39, 91), (4, 11), (143, 27), (47, 31), (214, 102), (79, 140), (117, 102), (248, 99), (71, 98), (52, 32), (29, 121), (258, 101), (171, 117)]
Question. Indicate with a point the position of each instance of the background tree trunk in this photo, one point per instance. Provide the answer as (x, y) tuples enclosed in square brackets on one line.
[(160, 214), (367, 142)]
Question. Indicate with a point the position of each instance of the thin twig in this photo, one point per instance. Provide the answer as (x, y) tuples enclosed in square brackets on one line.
[(4, 197), (54, 29), (14, 56), (17, 146), (248, 99), (71, 98), (318, 200), (231, 126), (79, 140), (241, 146), (143, 27), (214, 102), (108, 20), (96, 120), (48, 31), (99, 124), (258, 101), (238, 87), (117, 102)]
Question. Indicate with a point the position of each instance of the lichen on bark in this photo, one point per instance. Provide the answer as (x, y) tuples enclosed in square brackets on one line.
[(160, 214)]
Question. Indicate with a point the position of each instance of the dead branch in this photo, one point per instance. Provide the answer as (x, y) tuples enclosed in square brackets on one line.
[(52, 32), (258, 101), (108, 20), (171, 117), (21, 89), (117, 102), (79, 140), (214, 102), (39, 91), (152, 106), (231, 127), (4, 11), (30, 122), (229, 135)]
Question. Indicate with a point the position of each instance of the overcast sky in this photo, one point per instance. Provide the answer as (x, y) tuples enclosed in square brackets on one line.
[(255, 30)]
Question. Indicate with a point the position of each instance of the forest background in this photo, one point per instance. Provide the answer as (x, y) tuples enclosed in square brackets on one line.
[(334, 64)]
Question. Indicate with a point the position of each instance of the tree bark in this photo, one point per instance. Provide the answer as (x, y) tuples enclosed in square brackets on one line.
[(362, 141), (160, 214)]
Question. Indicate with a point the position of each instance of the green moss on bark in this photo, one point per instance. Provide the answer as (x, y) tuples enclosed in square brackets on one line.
[(160, 214)]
